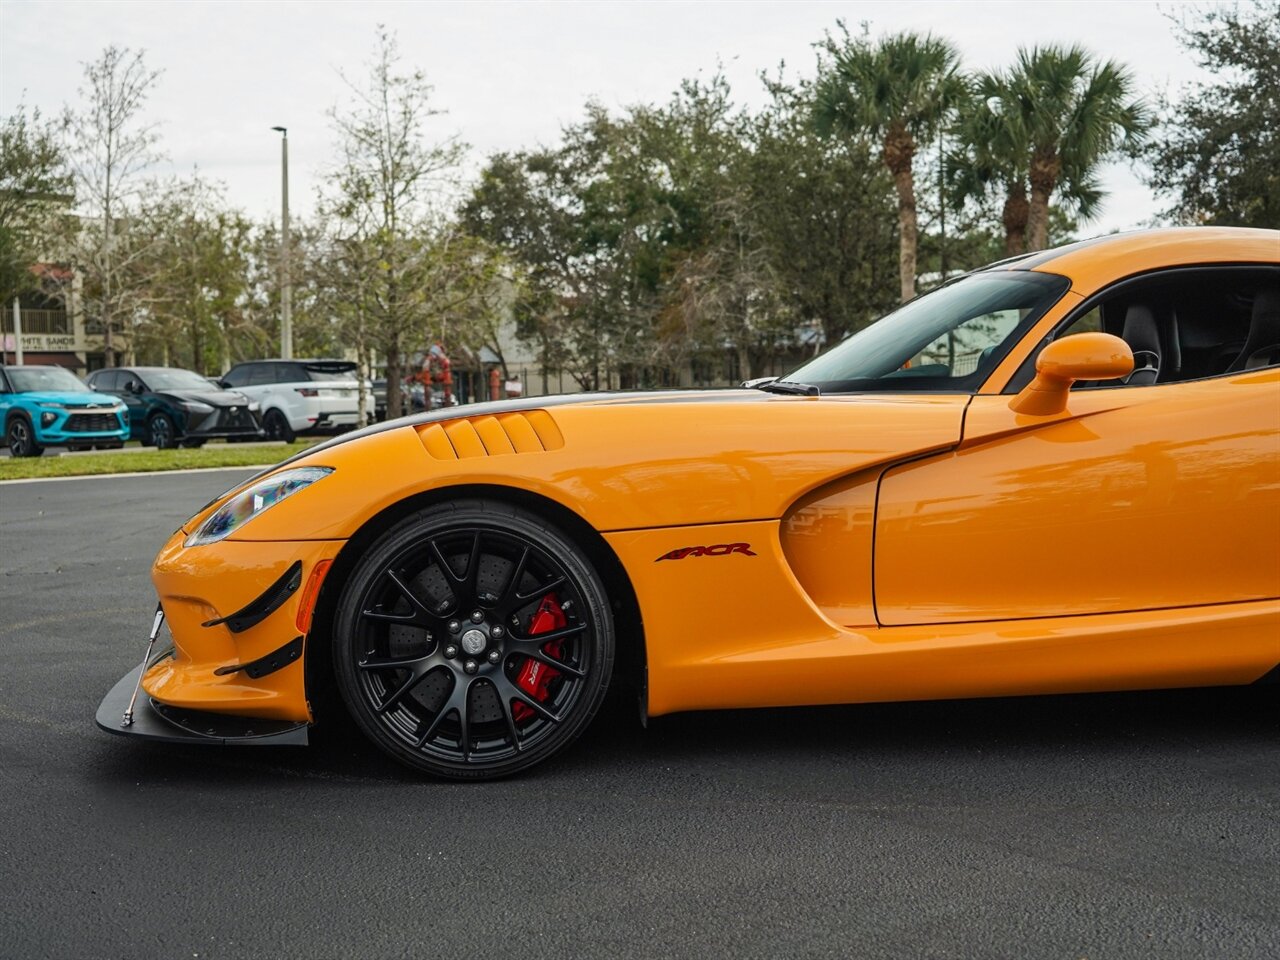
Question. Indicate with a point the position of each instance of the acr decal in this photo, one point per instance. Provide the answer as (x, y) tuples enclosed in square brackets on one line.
[(716, 550)]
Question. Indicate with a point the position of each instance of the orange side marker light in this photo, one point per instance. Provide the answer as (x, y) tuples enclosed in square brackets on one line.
[(307, 606)]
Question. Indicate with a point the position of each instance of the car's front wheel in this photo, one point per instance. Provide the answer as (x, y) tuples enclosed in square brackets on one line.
[(160, 432), (276, 424), (21, 438), (473, 640)]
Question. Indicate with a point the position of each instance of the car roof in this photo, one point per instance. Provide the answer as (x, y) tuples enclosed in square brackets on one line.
[(1100, 260), (297, 360)]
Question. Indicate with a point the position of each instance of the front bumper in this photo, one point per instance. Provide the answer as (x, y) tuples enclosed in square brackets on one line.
[(232, 609), (223, 423), (153, 720), (80, 426)]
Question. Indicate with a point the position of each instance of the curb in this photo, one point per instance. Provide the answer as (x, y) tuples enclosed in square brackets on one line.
[(256, 467)]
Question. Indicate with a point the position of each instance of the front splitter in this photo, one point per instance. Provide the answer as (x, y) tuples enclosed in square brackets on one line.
[(167, 724)]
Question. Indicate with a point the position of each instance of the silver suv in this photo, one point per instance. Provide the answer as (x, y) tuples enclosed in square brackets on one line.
[(301, 396)]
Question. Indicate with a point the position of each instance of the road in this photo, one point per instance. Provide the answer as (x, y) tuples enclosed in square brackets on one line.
[(1122, 825)]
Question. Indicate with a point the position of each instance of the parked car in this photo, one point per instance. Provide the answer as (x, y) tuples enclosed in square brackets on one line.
[(412, 398), (1057, 474), (301, 396), (169, 406), (46, 405)]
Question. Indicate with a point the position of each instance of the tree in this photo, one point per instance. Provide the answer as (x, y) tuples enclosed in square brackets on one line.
[(1073, 112), (34, 188), (992, 160), (899, 91), (197, 273), (1217, 155), (383, 192), (110, 149)]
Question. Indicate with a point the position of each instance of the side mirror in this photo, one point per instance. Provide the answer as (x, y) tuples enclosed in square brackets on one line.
[(134, 386), (1083, 356)]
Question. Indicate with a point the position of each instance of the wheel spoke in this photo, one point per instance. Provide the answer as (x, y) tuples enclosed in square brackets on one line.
[(509, 718), (473, 567), (391, 663), (543, 657), (541, 590), (444, 564), (398, 695), (509, 691), (451, 705), (418, 614), (509, 591), (537, 640)]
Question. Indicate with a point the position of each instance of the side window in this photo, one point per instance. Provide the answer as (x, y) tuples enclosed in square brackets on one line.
[(107, 381), (1182, 324), (261, 374), (4, 383), (290, 373), (238, 376)]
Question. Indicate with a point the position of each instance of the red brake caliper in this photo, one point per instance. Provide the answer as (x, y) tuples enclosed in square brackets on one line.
[(535, 678)]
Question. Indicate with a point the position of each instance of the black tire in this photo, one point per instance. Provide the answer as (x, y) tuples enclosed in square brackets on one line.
[(277, 426), (441, 691), (194, 444), (20, 437), (161, 432)]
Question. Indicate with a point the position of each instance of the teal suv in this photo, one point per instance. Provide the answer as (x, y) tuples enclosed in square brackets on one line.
[(46, 406)]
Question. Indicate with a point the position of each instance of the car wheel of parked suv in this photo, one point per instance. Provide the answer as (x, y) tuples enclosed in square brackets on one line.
[(160, 432), (21, 438), (277, 427)]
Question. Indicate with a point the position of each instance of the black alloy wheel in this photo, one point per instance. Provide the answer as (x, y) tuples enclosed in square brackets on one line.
[(277, 427), (473, 640), (160, 431), (21, 438)]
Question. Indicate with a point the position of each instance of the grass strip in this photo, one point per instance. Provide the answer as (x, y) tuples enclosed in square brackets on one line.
[(147, 461)]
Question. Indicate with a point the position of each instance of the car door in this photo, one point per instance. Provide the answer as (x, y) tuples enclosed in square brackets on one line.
[(1139, 496), (132, 389)]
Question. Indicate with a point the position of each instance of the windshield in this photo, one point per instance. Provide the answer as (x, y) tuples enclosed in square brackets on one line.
[(171, 379), (44, 379), (947, 340)]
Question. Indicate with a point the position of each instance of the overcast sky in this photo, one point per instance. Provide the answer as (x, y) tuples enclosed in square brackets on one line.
[(510, 75)]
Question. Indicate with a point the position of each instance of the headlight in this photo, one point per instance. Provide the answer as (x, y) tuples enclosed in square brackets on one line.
[(54, 406), (195, 406), (253, 407), (253, 500), (47, 417)]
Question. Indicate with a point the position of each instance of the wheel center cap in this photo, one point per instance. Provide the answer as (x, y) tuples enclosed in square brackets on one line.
[(474, 641)]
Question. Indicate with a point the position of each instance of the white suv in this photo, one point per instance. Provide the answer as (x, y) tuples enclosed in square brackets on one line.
[(301, 396)]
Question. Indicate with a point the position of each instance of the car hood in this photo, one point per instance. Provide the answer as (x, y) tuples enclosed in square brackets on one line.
[(626, 461), (73, 398), (214, 398)]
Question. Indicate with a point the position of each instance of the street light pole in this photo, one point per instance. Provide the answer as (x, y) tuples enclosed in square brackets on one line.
[(286, 287)]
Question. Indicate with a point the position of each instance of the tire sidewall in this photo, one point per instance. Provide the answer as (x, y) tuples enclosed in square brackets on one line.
[(499, 517), (168, 436), (26, 447)]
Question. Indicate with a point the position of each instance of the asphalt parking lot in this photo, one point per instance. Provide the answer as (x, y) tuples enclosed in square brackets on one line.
[(1131, 825)]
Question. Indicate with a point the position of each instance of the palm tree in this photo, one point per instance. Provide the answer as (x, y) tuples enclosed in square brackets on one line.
[(1074, 112), (994, 156), (899, 91)]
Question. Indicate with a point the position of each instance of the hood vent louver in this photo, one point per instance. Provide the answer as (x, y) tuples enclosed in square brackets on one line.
[(529, 431)]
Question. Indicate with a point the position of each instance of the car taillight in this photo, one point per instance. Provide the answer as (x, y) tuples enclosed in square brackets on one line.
[(308, 391)]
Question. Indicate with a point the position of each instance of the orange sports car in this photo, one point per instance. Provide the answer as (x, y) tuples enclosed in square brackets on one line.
[(1059, 473)]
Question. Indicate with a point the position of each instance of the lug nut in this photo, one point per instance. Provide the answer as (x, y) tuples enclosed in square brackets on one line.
[(494, 656), (477, 616), (497, 630), (450, 651), (454, 626), (470, 666)]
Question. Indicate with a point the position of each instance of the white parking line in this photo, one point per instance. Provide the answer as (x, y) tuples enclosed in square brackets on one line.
[(141, 473)]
